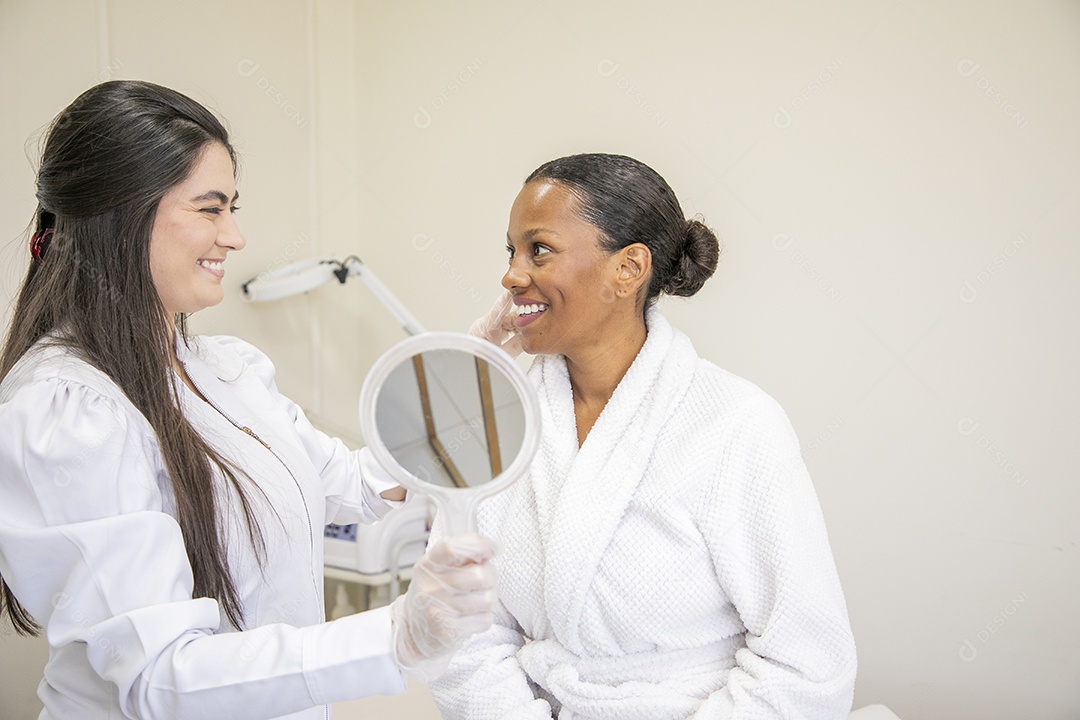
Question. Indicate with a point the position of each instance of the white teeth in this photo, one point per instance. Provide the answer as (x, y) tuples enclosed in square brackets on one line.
[(211, 264), (531, 309)]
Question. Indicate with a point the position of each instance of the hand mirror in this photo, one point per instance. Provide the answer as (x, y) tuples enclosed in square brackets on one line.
[(453, 417)]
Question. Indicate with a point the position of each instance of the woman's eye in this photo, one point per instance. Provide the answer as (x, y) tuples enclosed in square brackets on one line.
[(234, 208), (540, 250), (510, 252), (211, 210)]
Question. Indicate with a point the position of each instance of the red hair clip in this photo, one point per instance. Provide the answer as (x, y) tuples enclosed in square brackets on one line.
[(39, 243)]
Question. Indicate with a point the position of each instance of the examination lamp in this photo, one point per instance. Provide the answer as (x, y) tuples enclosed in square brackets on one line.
[(366, 553), (306, 275)]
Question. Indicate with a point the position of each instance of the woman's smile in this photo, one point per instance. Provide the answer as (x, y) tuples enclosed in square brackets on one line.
[(214, 267), (528, 311)]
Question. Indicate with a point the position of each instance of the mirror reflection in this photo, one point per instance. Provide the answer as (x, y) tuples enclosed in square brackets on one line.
[(450, 418)]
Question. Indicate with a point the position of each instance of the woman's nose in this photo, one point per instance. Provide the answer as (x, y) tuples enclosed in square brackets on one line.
[(515, 277), (230, 236)]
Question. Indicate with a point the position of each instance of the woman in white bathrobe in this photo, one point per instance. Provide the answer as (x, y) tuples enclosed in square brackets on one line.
[(161, 504), (666, 557)]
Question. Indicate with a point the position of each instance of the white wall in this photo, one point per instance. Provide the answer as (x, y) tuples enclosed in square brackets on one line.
[(895, 183)]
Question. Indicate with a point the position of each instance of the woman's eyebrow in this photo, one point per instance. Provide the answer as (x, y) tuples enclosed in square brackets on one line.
[(221, 197), (533, 232)]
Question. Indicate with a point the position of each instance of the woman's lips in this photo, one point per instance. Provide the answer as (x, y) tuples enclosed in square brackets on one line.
[(528, 311), (214, 267)]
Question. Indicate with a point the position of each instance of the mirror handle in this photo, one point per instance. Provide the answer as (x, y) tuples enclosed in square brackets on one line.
[(458, 512)]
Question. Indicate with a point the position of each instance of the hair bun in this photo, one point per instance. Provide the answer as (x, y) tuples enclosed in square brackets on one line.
[(701, 253)]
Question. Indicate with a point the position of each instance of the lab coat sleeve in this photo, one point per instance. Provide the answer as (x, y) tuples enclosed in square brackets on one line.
[(352, 479), (89, 551), (484, 680), (772, 557)]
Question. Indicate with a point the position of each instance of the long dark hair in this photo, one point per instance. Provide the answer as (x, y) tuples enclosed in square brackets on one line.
[(629, 202), (108, 159)]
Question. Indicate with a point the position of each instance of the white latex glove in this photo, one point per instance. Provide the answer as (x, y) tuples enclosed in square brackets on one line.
[(449, 599), (498, 325)]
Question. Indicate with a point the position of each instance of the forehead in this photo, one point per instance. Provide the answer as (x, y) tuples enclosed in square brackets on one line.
[(545, 203), (213, 170)]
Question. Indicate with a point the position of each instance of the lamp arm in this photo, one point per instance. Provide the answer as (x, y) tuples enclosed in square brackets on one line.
[(357, 268), (306, 275)]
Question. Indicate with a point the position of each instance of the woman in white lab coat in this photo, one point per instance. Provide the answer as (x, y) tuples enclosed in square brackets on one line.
[(161, 504)]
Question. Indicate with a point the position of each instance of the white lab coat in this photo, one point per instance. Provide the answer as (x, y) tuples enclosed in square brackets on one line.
[(90, 546)]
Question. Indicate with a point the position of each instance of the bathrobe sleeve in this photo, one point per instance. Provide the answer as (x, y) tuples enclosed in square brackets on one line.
[(484, 680), (87, 548), (352, 479), (772, 557)]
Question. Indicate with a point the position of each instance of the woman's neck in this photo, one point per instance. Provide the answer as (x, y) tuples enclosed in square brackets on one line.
[(596, 371)]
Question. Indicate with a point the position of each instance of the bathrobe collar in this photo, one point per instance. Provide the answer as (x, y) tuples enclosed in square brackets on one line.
[(582, 494)]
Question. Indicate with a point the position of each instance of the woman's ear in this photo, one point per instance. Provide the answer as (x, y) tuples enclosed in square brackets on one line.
[(634, 269)]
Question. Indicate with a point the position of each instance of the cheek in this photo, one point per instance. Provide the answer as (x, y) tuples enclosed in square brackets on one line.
[(583, 283), (163, 261), (174, 248), (159, 260)]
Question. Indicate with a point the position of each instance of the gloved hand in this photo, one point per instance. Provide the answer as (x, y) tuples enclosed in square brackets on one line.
[(450, 598), (498, 325)]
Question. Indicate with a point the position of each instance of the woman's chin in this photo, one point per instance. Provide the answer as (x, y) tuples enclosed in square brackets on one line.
[(539, 345), (532, 344)]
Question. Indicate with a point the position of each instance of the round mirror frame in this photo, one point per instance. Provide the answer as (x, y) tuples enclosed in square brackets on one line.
[(456, 500)]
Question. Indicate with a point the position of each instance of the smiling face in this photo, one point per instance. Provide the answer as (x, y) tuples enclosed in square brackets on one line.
[(561, 279), (194, 229)]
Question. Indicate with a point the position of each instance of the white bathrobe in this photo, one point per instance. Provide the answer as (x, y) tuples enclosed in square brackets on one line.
[(676, 565)]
